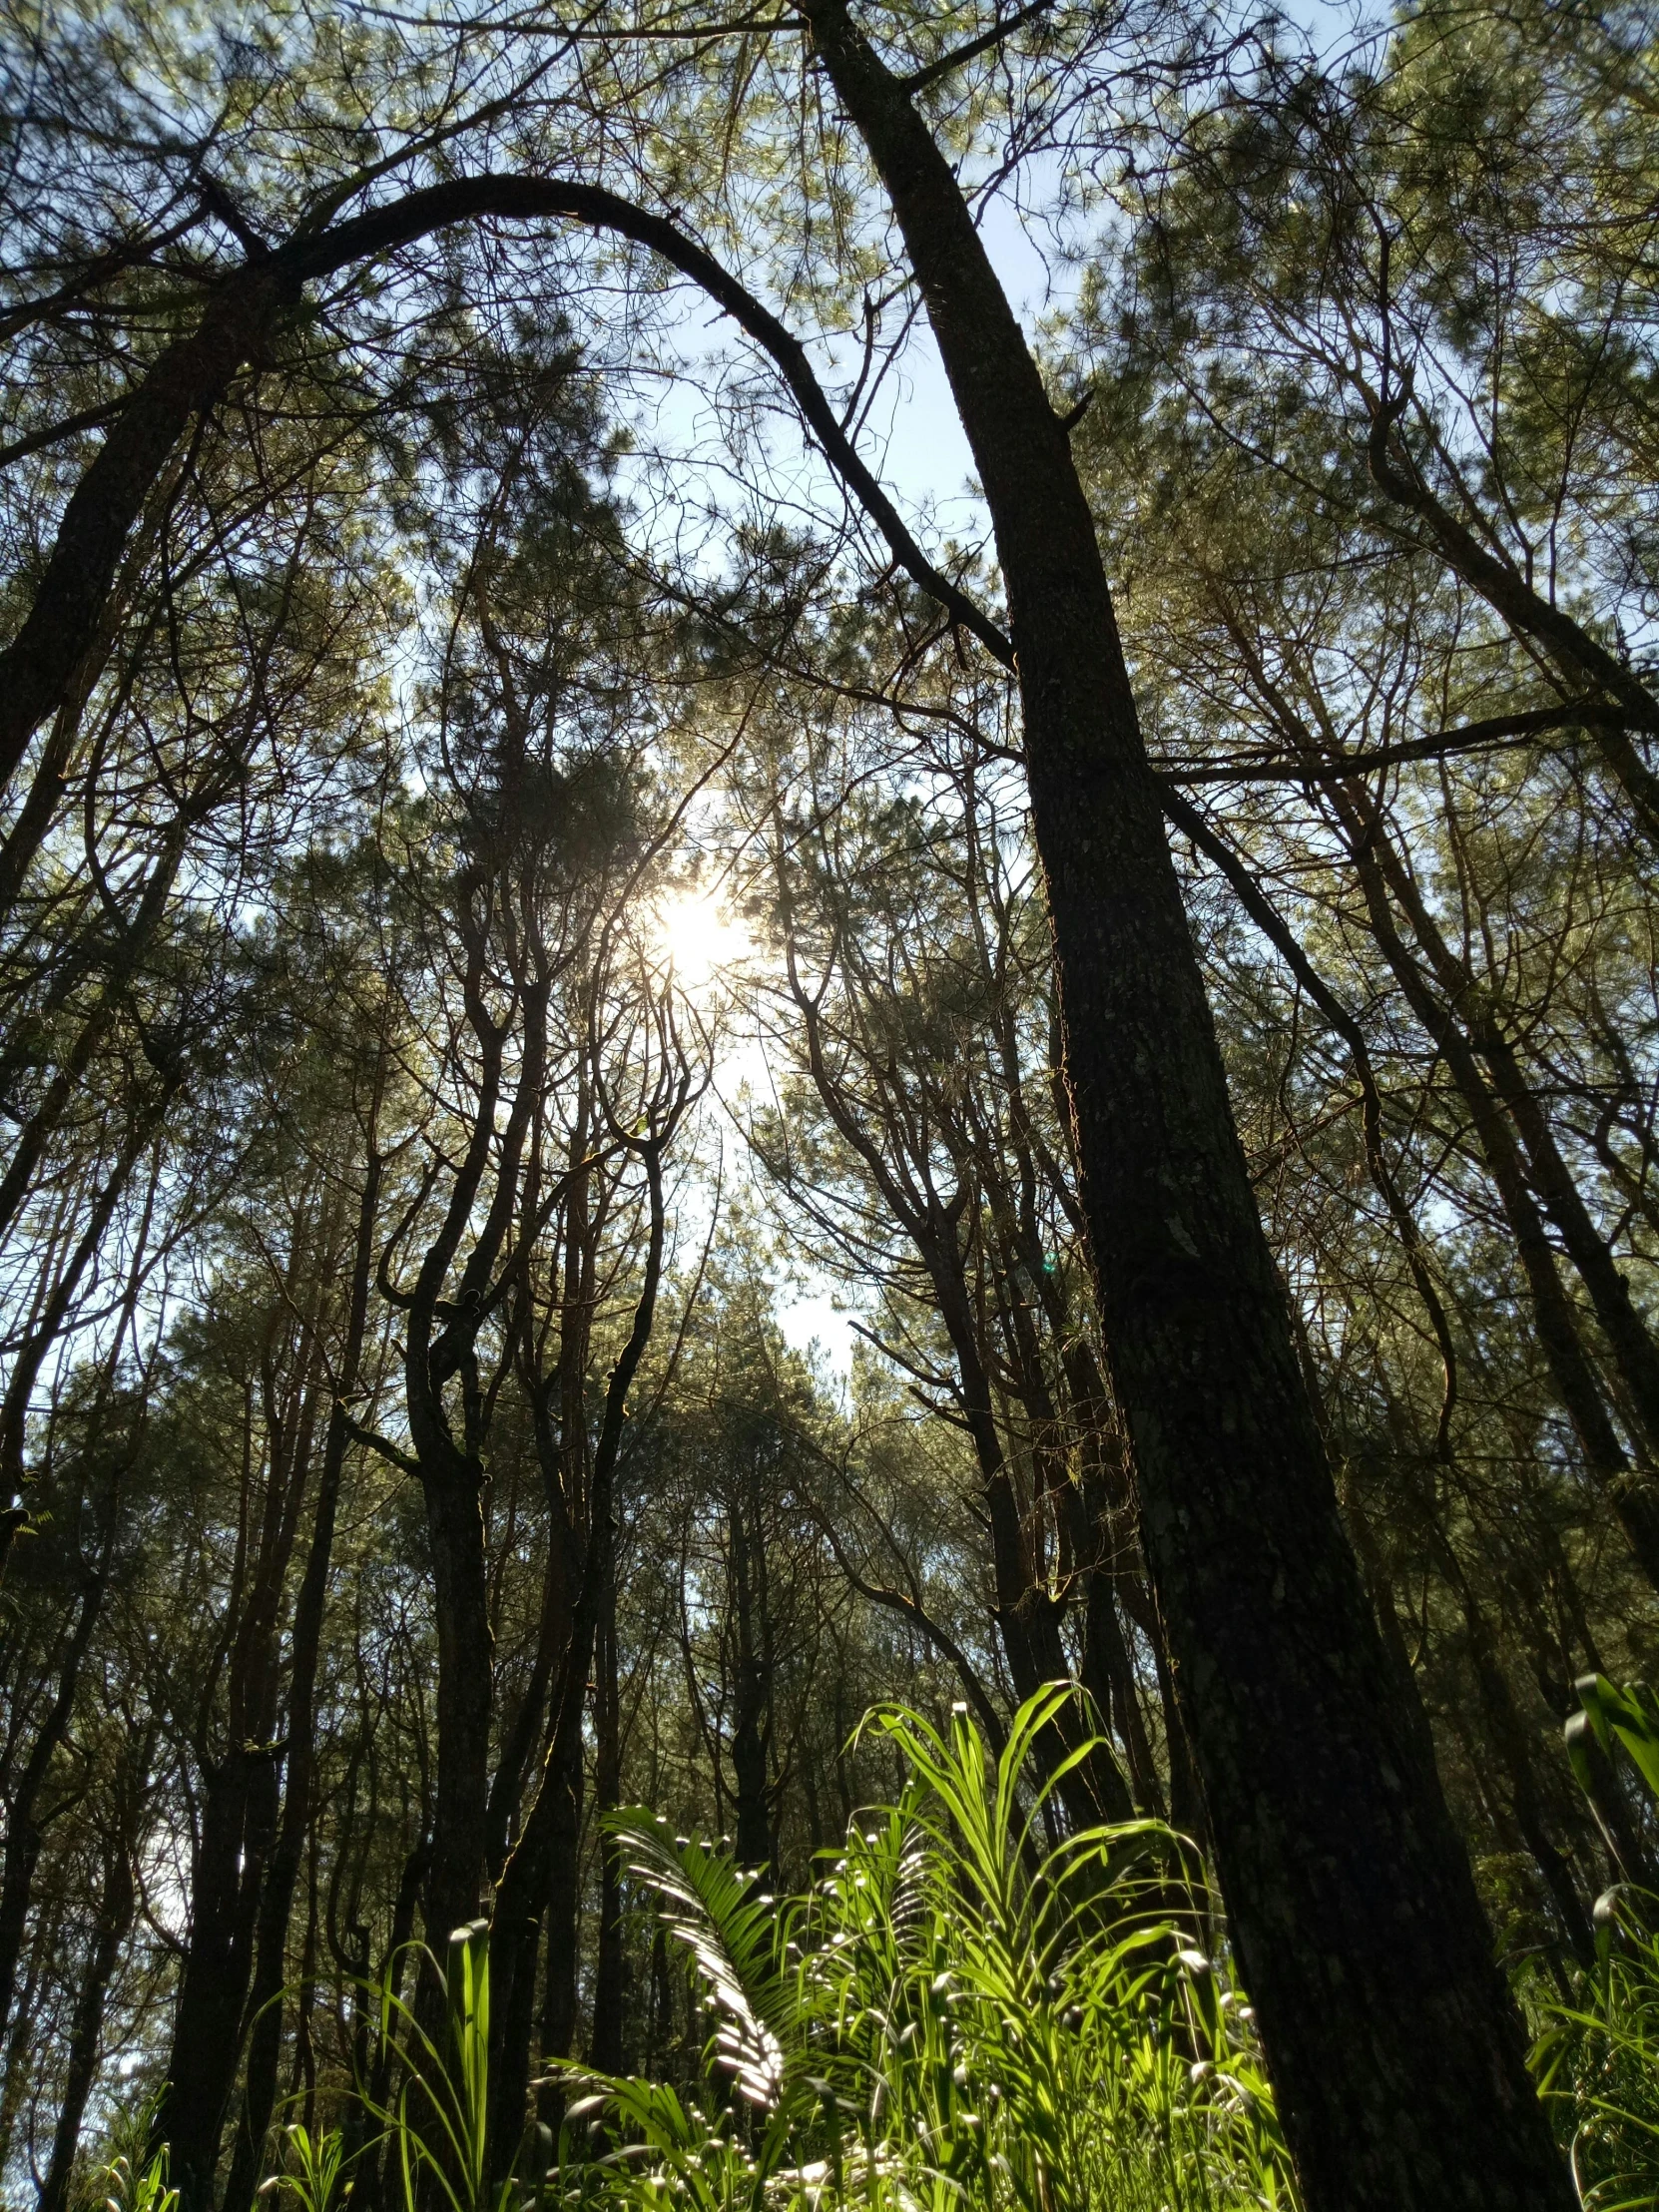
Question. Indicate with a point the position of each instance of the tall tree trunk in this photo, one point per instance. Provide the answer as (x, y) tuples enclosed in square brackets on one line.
[(542, 1877), (752, 1690), (460, 1588), (116, 1906), (561, 1917), (605, 2052), (1393, 2045), (376, 2166), (1629, 1490), (1027, 1616), (277, 1901), (238, 1828), (25, 1830), (15, 2068), (242, 1789), (1109, 1678)]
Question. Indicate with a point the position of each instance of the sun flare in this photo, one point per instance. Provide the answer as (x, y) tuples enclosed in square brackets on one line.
[(699, 938)]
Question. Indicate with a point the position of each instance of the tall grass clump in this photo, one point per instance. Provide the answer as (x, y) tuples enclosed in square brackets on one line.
[(958, 2015), (1598, 2057), (436, 2124), (129, 2183)]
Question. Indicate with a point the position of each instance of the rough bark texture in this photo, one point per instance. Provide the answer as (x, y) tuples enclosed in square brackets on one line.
[(1393, 2045), (1397, 2055)]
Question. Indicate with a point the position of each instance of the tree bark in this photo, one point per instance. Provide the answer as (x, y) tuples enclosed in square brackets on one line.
[(36, 670), (265, 2008), (542, 1873), (24, 1828), (1393, 2045), (605, 2051), (242, 1794), (116, 1906)]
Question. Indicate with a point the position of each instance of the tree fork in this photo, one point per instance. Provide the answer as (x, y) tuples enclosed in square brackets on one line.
[(1395, 2050)]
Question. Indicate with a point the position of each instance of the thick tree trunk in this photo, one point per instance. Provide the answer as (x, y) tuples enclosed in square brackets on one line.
[(460, 1588), (238, 1830), (1393, 2045)]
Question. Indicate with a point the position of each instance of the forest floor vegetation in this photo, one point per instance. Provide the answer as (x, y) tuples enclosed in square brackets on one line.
[(966, 2011)]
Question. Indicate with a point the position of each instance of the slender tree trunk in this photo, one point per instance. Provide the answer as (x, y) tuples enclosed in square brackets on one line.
[(1109, 1679), (371, 2185), (1509, 1738), (1027, 1617), (542, 1878), (1630, 1490), (562, 1919), (752, 1690), (19, 2045), (25, 1830), (239, 1826), (116, 1906), (30, 1356), (277, 1901), (1394, 2047), (605, 2052), (454, 1513), (1635, 1355), (242, 1788)]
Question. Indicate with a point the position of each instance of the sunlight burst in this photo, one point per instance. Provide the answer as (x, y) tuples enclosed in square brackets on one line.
[(700, 938)]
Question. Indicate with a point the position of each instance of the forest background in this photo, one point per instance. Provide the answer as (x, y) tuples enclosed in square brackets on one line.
[(523, 877)]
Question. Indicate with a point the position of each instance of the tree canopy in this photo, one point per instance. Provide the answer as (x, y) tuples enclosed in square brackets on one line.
[(672, 1074)]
